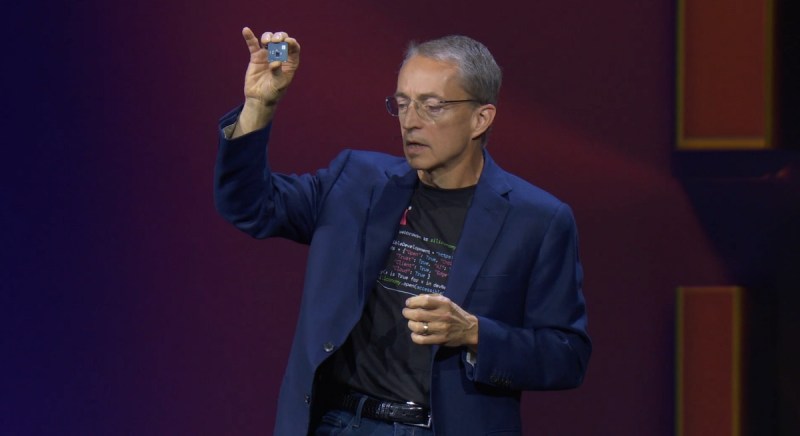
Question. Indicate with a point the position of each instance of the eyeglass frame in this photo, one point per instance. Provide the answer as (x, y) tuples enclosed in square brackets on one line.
[(425, 114)]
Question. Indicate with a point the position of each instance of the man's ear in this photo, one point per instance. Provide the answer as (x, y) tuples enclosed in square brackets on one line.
[(483, 119)]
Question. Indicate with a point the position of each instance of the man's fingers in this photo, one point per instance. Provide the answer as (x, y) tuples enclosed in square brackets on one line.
[(279, 36), (419, 315), (425, 333), (421, 307), (417, 302), (426, 301), (254, 44), (266, 38), (447, 324), (294, 51), (294, 46), (425, 339), (275, 66), (251, 40), (424, 328)]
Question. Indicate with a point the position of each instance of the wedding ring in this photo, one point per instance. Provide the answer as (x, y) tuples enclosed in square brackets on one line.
[(425, 328)]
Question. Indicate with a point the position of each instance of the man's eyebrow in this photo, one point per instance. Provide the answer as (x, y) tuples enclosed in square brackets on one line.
[(430, 95), (420, 97)]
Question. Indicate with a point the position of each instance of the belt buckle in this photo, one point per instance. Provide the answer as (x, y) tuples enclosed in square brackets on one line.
[(425, 425)]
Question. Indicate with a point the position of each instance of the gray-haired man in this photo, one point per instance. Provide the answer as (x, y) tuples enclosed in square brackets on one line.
[(439, 286)]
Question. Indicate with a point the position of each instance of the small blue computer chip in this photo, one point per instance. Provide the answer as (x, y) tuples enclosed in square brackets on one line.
[(278, 51)]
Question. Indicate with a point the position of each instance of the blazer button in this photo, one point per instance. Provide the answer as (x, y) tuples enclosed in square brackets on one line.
[(308, 399), (328, 347)]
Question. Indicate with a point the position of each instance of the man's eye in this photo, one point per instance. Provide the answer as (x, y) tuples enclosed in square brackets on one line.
[(433, 108), (402, 106)]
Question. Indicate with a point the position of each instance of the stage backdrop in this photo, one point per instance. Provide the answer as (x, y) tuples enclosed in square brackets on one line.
[(131, 307)]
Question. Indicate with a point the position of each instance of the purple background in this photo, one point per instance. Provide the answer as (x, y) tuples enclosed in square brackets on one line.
[(130, 307)]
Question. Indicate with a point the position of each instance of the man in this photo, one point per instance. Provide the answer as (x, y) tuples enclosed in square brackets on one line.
[(438, 286)]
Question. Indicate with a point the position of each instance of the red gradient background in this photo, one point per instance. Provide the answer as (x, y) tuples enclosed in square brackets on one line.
[(133, 308)]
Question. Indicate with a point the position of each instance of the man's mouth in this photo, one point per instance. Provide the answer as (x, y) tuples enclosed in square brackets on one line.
[(414, 144)]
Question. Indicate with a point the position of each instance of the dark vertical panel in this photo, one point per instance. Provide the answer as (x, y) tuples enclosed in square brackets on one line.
[(787, 94)]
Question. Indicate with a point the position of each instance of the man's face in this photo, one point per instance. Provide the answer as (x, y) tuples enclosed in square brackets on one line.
[(442, 145)]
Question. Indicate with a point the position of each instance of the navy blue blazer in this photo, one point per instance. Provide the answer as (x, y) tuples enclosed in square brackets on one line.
[(516, 268)]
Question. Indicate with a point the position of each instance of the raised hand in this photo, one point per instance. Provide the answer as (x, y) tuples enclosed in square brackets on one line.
[(265, 82)]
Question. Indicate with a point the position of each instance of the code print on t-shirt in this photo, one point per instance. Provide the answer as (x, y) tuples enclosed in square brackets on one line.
[(417, 264)]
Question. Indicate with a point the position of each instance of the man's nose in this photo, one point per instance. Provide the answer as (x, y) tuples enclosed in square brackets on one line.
[(411, 118)]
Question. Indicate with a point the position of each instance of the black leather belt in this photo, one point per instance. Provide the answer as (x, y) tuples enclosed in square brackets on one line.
[(404, 413)]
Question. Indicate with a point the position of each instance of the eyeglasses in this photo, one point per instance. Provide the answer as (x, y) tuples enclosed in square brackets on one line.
[(430, 109)]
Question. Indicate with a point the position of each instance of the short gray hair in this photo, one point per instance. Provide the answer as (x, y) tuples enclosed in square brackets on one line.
[(480, 74)]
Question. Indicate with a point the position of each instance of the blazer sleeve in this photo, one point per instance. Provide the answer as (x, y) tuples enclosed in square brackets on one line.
[(262, 203), (551, 350)]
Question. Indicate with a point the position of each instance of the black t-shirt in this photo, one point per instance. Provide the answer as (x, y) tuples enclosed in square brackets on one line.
[(379, 358)]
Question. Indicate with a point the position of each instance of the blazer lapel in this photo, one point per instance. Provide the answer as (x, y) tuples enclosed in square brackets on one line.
[(482, 225), (386, 208)]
